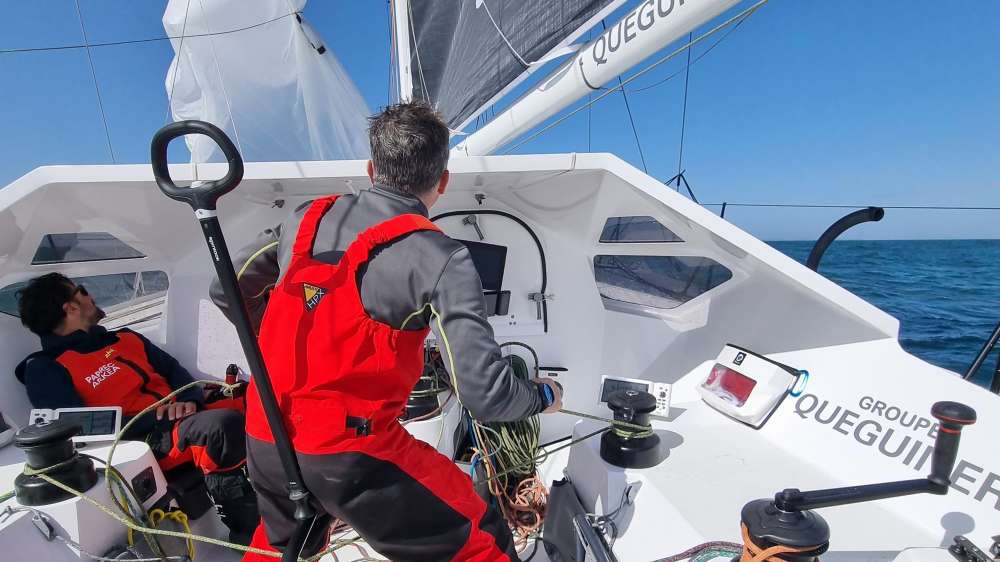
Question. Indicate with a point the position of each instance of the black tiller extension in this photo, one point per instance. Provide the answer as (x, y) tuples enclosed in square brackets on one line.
[(202, 199)]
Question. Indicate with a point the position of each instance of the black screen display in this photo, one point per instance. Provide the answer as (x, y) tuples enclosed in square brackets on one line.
[(99, 422), (612, 386), (490, 260)]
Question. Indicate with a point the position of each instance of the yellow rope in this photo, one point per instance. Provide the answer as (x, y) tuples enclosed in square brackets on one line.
[(184, 535), (132, 526)]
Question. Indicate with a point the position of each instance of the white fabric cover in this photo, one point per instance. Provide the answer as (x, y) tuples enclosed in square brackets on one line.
[(289, 101)]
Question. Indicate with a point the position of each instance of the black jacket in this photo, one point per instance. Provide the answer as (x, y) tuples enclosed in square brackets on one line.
[(400, 279), (49, 385)]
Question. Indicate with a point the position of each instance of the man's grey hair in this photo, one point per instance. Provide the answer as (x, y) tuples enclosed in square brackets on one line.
[(409, 143)]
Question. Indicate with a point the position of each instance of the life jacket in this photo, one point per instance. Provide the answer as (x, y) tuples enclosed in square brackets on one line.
[(328, 360), (116, 375)]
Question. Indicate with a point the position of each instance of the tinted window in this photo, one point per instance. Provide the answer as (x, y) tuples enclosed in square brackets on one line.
[(657, 281), (636, 229), (82, 246), (113, 293)]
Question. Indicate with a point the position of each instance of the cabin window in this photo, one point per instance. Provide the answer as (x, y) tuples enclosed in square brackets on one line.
[(636, 229), (127, 298), (657, 281), (82, 246)]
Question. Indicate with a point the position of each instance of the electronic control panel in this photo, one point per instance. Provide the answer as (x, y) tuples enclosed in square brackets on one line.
[(97, 424), (659, 390)]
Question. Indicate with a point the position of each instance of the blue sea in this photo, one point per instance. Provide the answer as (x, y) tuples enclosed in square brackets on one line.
[(945, 293)]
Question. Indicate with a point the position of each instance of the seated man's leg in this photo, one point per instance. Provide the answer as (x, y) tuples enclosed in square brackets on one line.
[(215, 440)]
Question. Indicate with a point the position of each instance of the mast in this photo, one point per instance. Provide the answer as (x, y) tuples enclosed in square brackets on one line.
[(401, 26), (642, 32)]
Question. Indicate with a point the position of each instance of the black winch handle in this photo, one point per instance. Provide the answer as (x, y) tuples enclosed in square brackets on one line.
[(204, 196), (952, 417), (202, 199)]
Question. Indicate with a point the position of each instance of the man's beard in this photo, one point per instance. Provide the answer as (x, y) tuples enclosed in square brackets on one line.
[(99, 314)]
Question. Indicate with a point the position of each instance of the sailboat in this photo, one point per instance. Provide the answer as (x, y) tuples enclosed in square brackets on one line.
[(718, 393)]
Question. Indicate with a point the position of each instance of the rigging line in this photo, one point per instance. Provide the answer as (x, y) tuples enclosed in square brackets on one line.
[(177, 69), (416, 52), (696, 59), (146, 40), (590, 109), (392, 52), (222, 80), (97, 88), (810, 206), (517, 55), (628, 108), (684, 113), (651, 66)]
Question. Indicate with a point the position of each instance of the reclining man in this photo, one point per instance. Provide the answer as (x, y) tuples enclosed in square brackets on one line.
[(134, 374), (352, 286)]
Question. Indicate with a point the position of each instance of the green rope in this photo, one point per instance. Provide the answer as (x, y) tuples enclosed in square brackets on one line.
[(623, 429)]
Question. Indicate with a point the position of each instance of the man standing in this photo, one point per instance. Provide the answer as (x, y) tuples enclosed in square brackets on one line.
[(82, 364), (348, 288)]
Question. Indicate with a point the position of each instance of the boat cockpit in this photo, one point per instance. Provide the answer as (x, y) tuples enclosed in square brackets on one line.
[(745, 372)]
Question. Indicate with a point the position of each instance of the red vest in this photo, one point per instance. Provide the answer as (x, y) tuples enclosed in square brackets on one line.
[(116, 375), (326, 357)]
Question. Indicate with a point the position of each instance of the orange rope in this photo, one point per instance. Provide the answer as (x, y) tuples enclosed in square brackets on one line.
[(527, 509), (753, 553)]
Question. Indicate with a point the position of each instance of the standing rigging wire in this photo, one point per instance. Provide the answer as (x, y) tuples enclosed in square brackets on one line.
[(738, 17), (222, 80), (177, 67), (590, 108), (392, 52), (139, 41), (707, 50), (416, 53), (628, 108), (97, 88), (684, 112)]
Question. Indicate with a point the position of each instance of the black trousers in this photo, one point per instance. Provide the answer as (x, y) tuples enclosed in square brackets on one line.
[(398, 515), (214, 440)]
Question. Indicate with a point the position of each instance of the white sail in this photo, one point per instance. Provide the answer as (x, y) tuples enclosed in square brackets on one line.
[(258, 71)]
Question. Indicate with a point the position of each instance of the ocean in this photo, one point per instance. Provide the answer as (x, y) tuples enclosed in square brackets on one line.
[(945, 293)]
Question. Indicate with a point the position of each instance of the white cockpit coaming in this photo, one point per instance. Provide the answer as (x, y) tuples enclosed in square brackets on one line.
[(770, 304)]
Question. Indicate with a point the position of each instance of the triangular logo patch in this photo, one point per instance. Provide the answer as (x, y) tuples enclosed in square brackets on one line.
[(313, 295)]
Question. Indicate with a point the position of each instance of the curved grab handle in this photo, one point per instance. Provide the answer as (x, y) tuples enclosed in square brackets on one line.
[(205, 195)]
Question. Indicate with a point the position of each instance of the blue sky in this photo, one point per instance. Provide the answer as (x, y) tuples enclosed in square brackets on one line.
[(847, 102)]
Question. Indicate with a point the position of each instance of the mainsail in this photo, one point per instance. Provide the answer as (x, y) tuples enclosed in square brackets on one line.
[(464, 54), (259, 72)]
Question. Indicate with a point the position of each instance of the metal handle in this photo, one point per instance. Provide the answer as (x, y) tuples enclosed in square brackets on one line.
[(204, 196)]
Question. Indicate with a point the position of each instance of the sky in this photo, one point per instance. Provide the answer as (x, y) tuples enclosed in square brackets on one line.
[(849, 102)]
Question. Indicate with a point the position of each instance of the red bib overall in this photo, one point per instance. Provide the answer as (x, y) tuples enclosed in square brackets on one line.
[(116, 375), (342, 380)]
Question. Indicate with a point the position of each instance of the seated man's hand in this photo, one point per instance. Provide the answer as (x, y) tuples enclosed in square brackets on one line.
[(556, 392), (176, 411)]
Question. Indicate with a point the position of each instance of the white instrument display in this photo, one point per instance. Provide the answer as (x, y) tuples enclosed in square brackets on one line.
[(659, 390), (98, 424)]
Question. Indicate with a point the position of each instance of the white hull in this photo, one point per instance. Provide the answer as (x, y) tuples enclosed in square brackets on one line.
[(771, 304)]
